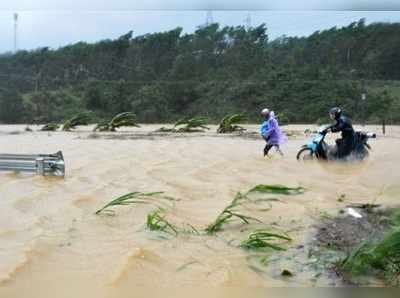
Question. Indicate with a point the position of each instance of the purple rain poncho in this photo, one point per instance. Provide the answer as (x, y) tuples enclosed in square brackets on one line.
[(272, 132)]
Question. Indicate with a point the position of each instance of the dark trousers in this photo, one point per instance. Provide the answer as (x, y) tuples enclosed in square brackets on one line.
[(269, 146), (345, 146)]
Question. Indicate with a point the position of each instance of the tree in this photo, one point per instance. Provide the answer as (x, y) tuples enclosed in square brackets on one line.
[(11, 106)]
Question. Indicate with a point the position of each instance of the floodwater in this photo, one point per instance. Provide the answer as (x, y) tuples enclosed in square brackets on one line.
[(51, 241)]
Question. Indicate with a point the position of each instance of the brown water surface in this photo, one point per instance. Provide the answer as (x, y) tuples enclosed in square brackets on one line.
[(51, 242)]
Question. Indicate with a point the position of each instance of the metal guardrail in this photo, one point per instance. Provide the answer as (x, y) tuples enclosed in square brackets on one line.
[(41, 164)]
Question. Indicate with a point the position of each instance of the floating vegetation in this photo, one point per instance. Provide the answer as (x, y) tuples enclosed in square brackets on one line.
[(50, 127), (277, 189), (156, 222), (189, 229), (229, 123), (258, 262), (120, 120), (196, 124), (81, 119), (229, 214), (186, 265), (262, 239), (128, 199), (369, 208), (286, 273)]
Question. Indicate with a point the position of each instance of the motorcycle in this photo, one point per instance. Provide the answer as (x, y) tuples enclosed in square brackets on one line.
[(317, 148)]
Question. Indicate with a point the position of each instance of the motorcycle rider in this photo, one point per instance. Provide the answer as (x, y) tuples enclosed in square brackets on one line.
[(346, 144)]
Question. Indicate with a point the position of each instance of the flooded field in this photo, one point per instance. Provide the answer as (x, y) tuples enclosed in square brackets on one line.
[(51, 240)]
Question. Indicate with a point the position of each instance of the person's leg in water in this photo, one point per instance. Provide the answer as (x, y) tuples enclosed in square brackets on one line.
[(267, 148), (344, 147), (278, 149)]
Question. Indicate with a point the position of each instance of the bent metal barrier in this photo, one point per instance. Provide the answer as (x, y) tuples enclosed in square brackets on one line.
[(41, 164)]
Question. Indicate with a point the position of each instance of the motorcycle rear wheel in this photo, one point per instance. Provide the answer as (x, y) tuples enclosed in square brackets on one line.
[(305, 154)]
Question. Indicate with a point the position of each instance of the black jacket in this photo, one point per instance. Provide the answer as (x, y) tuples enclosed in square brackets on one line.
[(343, 124)]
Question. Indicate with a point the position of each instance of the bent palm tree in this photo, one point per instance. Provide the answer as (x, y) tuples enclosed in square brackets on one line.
[(229, 123), (80, 119), (191, 124), (122, 119), (186, 124)]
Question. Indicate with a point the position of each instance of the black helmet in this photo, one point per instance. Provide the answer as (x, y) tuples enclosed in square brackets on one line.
[(336, 112)]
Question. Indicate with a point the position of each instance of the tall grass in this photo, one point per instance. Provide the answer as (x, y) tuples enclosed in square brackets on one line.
[(157, 222), (128, 199), (261, 239), (381, 259), (229, 214)]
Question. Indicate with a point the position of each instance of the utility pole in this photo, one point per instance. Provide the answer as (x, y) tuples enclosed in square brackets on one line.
[(209, 18), (15, 32), (248, 21), (363, 101)]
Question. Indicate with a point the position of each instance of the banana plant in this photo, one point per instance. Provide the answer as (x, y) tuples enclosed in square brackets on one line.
[(122, 119), (229, 123)]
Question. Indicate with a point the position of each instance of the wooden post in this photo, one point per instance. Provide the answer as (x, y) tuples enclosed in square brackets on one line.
[(383, 126)]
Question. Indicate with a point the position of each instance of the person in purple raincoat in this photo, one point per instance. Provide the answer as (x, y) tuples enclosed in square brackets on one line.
[(271, 132)]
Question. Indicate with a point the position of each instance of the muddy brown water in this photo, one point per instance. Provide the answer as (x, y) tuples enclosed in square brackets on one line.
[(51, 242)]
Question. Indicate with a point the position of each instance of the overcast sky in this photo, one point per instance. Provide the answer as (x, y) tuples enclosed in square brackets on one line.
[(58, 23)]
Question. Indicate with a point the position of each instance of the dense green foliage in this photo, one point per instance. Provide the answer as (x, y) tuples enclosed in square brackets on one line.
[(212, 72)]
